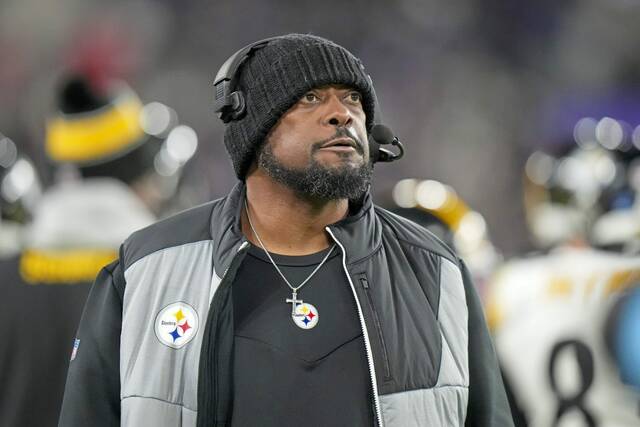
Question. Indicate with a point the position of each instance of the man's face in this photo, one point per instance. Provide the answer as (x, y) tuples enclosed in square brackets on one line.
[(319, 147)]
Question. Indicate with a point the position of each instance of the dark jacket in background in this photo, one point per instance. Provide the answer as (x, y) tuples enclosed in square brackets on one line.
[(39, 321)]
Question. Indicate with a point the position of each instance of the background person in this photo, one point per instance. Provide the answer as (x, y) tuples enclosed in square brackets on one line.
[(100, 153), (560, 318)]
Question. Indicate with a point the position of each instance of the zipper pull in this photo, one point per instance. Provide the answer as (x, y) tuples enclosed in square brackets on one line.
[(364, 282)]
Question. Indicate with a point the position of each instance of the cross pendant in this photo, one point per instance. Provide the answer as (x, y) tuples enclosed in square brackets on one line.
[(294, 301)]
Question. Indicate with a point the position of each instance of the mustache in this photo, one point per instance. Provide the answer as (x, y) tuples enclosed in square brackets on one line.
[(341, 132)]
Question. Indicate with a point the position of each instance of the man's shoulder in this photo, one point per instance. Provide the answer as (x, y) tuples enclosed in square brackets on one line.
[(191, 225), (415, 235)]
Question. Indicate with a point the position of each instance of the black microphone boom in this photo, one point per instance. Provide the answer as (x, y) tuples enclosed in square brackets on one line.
[(382, 135)]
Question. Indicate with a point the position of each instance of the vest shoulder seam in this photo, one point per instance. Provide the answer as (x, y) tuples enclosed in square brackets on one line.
[(165, 249), (453, 260), (118, 287)]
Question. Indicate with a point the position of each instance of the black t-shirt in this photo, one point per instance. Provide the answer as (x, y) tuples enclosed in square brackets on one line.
[(285, 375)]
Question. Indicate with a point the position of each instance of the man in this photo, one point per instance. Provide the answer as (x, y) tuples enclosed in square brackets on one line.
[(293, 300), (78, 224)]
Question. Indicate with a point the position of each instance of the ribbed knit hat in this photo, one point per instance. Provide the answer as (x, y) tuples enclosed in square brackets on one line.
[(276, 76)]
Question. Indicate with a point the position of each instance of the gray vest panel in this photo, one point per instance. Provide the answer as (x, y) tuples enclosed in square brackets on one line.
[(435, 407), (446, 403), (453, 317), (142, 411), (159, 382)]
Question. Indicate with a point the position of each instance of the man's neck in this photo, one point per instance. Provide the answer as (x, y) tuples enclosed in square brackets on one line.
[(287, 223)]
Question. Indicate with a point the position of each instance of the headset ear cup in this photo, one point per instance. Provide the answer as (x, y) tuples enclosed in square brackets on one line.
[(239, 105), (225, 82), (234, 110)]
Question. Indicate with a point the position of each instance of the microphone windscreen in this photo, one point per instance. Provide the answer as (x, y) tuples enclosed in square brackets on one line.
[(382, 134)]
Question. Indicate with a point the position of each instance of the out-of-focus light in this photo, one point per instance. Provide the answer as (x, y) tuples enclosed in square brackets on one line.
[(431, 194), (605, 170), (165, 164), (182, 143), (471, 230), (539, 167), (584, 132), (574, 174), (627, 134), (404, 193), (635, 137), (156, 118), (18, 181), (634, 174), (8, 152), (609, 133)]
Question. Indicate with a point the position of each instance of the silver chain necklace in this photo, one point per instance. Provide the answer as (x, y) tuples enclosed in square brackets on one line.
[(303, 314)]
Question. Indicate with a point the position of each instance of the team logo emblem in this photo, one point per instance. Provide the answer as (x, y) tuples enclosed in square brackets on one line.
[(176, 324), (305, 316), (74, 352)]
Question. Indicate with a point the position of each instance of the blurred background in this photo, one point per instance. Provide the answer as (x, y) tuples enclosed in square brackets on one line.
[(467, 86), (521, 123)]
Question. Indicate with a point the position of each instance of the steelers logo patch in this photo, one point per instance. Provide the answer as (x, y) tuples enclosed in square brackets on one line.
[(306, 316), (176, 324)]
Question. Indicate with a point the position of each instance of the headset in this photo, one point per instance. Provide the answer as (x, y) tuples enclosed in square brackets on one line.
[(230, 104)]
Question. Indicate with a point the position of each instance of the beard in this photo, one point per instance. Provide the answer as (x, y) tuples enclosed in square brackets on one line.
[(317, 181)]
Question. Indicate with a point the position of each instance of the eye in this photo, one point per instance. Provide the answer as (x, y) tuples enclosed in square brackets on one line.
[(310, 97), (355, 97)]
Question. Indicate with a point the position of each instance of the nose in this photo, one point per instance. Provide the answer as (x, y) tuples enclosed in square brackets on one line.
[(337, 113)]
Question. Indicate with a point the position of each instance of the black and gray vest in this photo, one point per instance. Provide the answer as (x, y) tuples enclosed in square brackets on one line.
[(177, 332)]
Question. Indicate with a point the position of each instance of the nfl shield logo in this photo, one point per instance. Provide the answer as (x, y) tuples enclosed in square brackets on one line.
[(74, 352)]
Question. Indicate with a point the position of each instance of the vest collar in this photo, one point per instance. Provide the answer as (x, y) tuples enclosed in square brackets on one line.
[(360, 233)]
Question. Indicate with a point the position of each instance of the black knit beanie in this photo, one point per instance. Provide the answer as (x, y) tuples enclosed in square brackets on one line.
[(276, 76)]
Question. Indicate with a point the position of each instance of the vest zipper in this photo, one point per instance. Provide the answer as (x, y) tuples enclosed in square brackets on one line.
[(365, 334), (385, 355), (209, 410)]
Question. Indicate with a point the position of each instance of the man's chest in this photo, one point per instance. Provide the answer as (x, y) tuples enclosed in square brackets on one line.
[(326, 311)]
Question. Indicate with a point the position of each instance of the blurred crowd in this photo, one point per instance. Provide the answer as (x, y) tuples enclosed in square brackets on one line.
[(521, 124)]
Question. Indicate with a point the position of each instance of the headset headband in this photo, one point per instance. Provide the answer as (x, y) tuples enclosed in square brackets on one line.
[(229, 103)]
